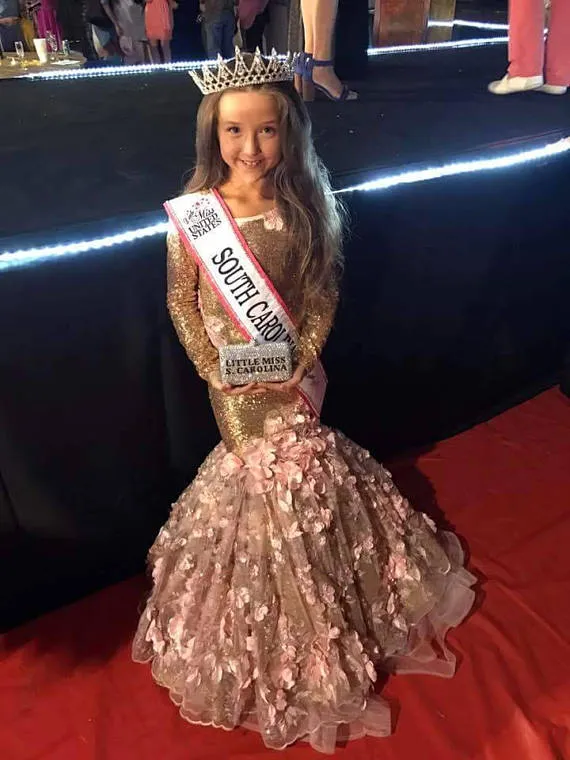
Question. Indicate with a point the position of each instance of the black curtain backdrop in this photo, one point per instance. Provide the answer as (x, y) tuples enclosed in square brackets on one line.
[(454, 304)]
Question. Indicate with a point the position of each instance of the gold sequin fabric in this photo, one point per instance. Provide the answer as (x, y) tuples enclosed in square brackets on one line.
[(292, 570), (199, 317)]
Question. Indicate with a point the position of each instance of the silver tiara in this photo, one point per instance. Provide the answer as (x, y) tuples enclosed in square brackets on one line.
[(218, 76)]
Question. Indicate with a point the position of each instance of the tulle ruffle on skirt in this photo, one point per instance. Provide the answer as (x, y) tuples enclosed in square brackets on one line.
[(286, 577)]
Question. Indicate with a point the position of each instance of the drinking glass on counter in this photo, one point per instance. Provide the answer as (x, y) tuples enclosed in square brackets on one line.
[(52, 44), (19, 48)]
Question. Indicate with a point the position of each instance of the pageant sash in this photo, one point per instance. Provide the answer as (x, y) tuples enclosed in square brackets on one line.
[(248, 296)]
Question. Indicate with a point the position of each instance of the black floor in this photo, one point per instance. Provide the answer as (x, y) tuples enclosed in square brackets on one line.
[(88, 150)]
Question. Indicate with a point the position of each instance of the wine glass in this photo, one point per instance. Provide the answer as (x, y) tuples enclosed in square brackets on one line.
[(52, 44), (19, 48)]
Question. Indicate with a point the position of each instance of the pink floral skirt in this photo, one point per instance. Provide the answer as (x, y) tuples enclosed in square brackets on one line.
[(286, 578)]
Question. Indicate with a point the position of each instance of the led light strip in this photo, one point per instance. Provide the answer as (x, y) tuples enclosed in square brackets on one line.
[(433, 46), (118, 71), (9, 260), (470, 25), (18, 258), (463, 167), (460, 22), (111, 71)]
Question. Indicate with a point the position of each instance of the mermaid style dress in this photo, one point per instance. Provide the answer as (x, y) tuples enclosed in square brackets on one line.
[(291, 570)]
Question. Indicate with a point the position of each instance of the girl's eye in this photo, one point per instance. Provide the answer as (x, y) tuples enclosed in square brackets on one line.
[(233, 130), (268, 130)]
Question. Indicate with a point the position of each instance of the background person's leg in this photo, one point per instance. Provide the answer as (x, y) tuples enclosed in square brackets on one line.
[(277, 27), (526, 38), (321, 25), (253, 37), (557, 66)]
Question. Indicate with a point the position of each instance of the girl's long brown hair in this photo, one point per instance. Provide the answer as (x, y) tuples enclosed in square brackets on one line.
[(313, 216)]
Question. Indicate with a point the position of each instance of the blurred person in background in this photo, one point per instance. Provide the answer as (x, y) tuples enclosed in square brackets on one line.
[(130, 25), (276, 30), (253, 17), (187, 43), (536, 64), (45, 15), (159, 23), (10, 29), (219, 22), (105, 30)]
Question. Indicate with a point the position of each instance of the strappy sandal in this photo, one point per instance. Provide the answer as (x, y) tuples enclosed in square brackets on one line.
[(299, 70), (345, 94)]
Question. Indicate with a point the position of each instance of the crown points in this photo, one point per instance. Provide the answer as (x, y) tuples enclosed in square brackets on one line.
[(220, 76)]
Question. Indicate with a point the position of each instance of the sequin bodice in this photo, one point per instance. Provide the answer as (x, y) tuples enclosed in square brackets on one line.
[(202, 324)]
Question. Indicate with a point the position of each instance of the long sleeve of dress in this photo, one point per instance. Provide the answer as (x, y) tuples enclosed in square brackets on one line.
[(316, 326), (182, 301)]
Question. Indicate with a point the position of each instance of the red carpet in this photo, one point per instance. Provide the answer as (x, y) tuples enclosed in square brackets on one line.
[(70, 692)]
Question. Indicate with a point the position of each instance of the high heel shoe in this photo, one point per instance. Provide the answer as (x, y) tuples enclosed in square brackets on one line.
[(345, 93), (299, 71), (308, 87), (303, 76)]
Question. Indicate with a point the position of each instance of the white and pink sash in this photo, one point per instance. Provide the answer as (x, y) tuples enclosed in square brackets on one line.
[(212, 237)]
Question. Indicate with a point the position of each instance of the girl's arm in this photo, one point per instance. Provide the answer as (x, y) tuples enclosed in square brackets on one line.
[(182, 300), (316, 326), (313, 333)]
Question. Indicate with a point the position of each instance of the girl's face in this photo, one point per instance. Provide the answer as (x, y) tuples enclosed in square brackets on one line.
[(249, 136)]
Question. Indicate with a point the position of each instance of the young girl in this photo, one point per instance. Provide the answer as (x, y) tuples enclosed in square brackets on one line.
[(291, 569)]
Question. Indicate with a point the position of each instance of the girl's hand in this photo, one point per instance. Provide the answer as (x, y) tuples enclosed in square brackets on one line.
[(230, 390), (288, 385)]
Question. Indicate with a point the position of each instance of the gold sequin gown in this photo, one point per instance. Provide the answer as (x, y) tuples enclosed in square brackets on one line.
[(291, 570)]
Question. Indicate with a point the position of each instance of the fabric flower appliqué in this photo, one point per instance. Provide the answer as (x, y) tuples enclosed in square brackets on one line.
[(285, 460), (273, 220)]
